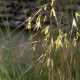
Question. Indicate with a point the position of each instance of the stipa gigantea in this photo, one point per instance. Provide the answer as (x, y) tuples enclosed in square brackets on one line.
[(28, 26), (74, 24), (47, 52)]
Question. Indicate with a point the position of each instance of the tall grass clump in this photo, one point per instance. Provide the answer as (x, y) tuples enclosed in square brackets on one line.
[(54, 44)]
